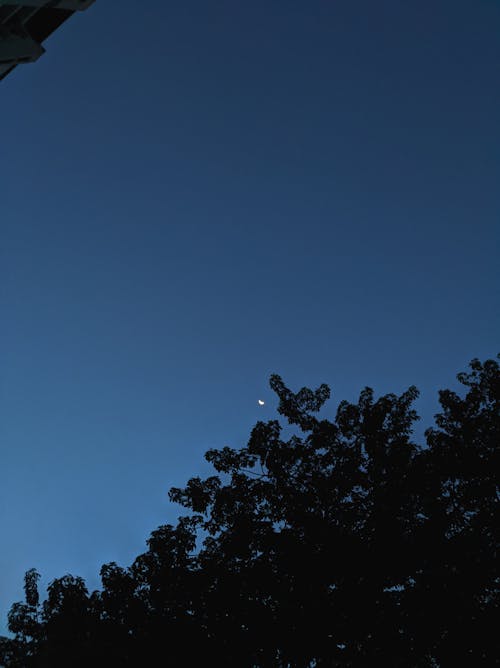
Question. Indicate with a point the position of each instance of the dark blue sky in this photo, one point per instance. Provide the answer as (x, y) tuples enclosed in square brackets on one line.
[(195, 195)]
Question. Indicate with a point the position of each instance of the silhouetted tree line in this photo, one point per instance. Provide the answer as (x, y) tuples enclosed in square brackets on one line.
[(346, 545)]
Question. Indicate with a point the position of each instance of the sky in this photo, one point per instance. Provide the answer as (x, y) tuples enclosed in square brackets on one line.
[(196, 195)]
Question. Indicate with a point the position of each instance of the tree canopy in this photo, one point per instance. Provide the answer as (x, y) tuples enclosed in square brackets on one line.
[(345, 544)]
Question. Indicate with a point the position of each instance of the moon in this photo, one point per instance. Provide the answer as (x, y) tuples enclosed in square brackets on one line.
[(260, 402)]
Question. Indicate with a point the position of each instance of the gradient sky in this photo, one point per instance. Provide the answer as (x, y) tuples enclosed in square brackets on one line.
[(197, 194)]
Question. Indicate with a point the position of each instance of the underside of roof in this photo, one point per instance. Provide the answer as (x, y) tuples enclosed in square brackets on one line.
[(25, 25)]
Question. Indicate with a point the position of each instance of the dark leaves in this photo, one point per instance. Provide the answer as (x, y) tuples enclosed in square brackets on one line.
[(346, 544)]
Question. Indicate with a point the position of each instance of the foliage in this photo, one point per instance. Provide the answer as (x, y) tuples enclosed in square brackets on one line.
[(346, 544)]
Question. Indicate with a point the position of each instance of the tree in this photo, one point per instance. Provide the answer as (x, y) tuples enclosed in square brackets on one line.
[(346, 544), (23, 621)]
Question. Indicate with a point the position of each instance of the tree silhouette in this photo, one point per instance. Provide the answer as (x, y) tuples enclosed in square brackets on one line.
[(346, 544)]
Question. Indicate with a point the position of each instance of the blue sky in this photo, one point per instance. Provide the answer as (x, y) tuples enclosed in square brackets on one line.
[(196, 195)]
